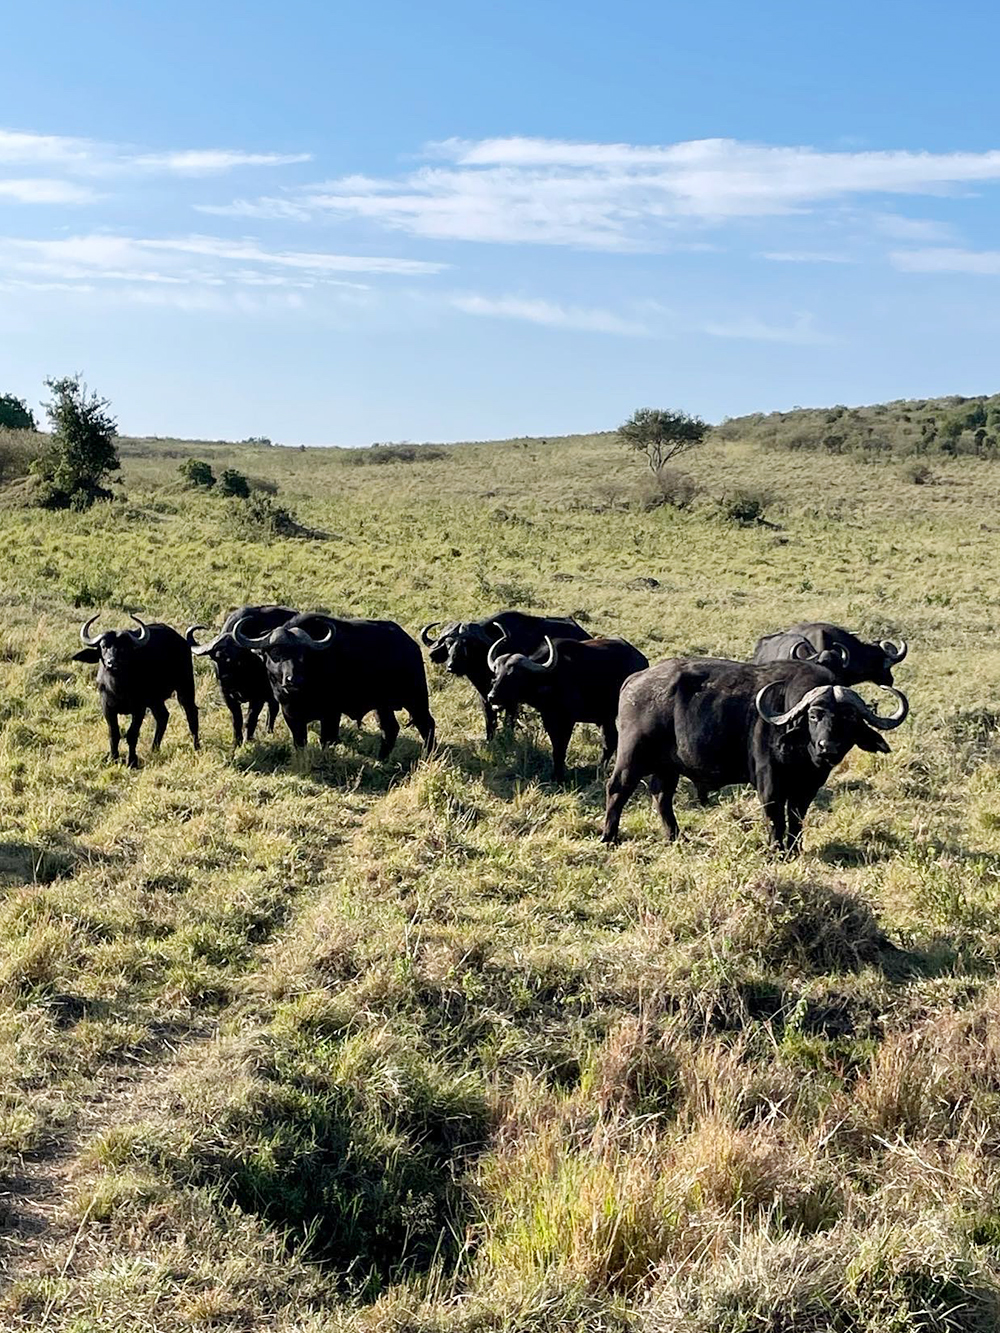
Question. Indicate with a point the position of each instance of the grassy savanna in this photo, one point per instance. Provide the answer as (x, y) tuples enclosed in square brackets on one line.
[(316, 1043)]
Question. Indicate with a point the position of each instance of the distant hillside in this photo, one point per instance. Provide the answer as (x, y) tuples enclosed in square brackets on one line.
[(930, 426)]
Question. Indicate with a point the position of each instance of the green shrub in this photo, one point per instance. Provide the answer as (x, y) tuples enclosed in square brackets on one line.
[(234, 483), (15, 414), (197, 473), (745, 505), (82, 453), (258, 518)]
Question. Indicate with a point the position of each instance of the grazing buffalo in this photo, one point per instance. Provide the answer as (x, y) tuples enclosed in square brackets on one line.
[(138, 669), (462, 647), (781, 727), (850, 658), (567, 681), (321, 667), (242, 674)]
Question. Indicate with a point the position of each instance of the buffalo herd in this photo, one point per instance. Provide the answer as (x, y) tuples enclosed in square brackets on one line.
[(780, 722)]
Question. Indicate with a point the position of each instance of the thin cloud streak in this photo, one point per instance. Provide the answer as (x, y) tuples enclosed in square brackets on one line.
[(581, 319), (42, 190), (985, 263), (93, 157)]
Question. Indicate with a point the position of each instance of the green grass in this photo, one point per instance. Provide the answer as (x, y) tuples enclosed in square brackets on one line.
[(315, 1043)]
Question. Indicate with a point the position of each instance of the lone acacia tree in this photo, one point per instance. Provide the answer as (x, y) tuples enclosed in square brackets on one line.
[(661, 435), (83, 453)]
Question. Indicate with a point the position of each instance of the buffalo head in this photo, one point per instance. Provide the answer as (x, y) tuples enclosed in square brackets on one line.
[(114, 648), (515, 674), (459, 646), (287, 652), (829, 719)]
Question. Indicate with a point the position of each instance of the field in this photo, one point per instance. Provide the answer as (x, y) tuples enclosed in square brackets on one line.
[(319, 1044)]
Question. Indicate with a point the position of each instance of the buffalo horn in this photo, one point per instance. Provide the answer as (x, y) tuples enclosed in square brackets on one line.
[(804, 651), (779, 719), (309, 641), (491, 656), (845, 696), (553, 656), (245, 640), (85, 638), (199, 649), (892, 653), (426, 638), (141, 635)]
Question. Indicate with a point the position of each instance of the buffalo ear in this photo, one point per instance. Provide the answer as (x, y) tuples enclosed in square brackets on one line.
[(866, 739), (87, 655)]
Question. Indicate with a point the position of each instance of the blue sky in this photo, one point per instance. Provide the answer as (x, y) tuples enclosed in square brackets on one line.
[(340, 223)]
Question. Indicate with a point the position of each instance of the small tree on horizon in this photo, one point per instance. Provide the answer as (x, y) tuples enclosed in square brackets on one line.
[(662, 435), (82, 454), (15, 414), (197, 473)]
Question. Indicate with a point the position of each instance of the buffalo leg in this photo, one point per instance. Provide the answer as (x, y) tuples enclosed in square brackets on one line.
[(329, 729), (253, 714), (272, 715), (161, 717), (774, 812), (559, 734), (425, 725), (132, 737), (609, 731), (663, 787), (489, 713), (622, 784), (390, 730), (798, 806), (299, 730), (236, 713), (186, 701), (114, 734)]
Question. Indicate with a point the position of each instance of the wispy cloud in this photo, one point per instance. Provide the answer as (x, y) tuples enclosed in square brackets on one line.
[(900, 228), (43, 190), (585, 319), (945, 259), (613, 196), (806, 257), (801, 330), (93, 157)]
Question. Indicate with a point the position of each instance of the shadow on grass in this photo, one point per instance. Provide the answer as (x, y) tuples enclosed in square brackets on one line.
[(352, 764), (32, 863)]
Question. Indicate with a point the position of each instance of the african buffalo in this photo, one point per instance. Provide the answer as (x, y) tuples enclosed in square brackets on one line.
[(850, 658), (567, 681), (462, 647), (780, 726), (138, 669), (321, 667), (242, 674)]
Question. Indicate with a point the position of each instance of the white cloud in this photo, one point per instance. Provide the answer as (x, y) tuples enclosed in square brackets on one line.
[(42, 190), (535, 311), (801, 330), (901, 228), (806, 257), (92, 157), (947, 260), (614, 196)]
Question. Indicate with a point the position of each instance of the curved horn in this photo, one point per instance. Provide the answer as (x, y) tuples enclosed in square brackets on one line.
[(779, 719), (142, 634), (491, 656), (426, 638), (199, 649), (311, 642), (85, 637), (245, 640), (892, 653), (845, 696), (552, 658), (804, 651)]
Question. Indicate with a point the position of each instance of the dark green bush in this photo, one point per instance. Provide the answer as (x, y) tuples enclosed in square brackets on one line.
[(15, 414), (745, 505), (82, 453), (197, 473), (234, 483)]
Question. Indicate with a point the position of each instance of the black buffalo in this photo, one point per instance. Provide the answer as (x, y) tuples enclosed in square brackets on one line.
[(567, 681), (242, 674), (138, 670), (462, 647), (850, 658), (781, 727), (321, 667)]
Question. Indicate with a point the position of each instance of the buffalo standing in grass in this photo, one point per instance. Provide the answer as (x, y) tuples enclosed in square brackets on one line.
[(567, 681), (462, 648), (138, 670), (850, 658), (781, 727), (322, 667), (242, 674)]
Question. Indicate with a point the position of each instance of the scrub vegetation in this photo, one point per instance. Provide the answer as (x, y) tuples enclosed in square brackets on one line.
[(320, 1044)]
